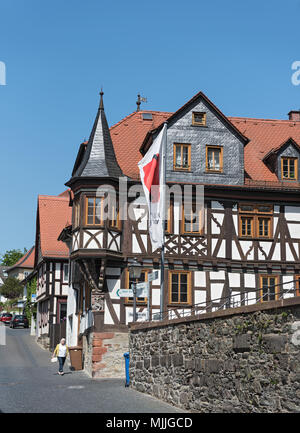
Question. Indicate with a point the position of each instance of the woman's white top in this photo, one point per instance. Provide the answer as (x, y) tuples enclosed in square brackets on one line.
[(62, 350)]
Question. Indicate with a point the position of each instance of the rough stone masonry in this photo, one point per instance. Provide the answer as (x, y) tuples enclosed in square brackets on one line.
[(243, 360)]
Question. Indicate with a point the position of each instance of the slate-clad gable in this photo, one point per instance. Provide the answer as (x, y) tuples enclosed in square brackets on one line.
[(99, 158), (216, 132)]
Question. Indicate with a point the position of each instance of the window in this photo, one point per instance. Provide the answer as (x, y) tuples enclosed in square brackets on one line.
[(114, 221), (297, 285), (246, 226), (198, 118), (62, 311), (66, 273), (143, 278), (182, 157), (94, 211), (147, 116), (169, 219), (289, 168), (192, 220), (179, 287), (269, 289), (255, 221), (76, 213), (214, 158)]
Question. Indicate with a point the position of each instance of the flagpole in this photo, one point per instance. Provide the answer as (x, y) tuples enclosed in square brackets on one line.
[(162, 257)]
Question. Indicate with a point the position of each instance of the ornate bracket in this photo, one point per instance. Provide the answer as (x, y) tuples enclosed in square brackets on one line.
[(89, 273)]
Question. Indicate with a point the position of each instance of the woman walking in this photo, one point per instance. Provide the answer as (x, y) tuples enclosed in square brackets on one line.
[(61, 351)]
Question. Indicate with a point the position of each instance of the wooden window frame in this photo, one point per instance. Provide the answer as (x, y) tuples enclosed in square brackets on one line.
[(60, 301), (276, 277), (200, 232), (194, 122), (248, 217), (289, 158), (66, 280), (297, 278), (115, 223), (129, 301), (189, 288), (76, 214), (169, 227), (213, 170), (101, 224), (181, 168), (256, 215)]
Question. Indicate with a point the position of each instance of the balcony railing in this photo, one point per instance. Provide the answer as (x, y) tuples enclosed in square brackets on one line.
[(286, 185), (285, 290)]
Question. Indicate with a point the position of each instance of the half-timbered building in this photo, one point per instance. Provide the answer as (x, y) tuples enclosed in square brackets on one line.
[(51, 267), (243, 247)]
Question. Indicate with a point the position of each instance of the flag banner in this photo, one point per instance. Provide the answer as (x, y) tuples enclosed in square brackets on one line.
[(153, 180)]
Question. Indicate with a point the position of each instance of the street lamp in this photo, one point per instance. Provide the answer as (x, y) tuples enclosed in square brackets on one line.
[(135, 270)]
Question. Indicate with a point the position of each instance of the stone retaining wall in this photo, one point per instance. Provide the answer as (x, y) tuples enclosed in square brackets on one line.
[(238, 360), (103, 354)]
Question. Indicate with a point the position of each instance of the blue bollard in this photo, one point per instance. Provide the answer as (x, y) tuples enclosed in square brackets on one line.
[(126, 356)]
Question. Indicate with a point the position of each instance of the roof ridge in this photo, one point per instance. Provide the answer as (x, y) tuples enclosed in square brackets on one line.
[(53, 197), (138, 112), (23, 258), (255, 119)]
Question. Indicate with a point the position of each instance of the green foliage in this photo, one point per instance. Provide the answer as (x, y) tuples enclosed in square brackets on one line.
[(30, 309), (12, 288), (9, 258)]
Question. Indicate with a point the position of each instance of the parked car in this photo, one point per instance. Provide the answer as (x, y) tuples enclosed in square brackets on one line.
[(6, 318), (19, 320)]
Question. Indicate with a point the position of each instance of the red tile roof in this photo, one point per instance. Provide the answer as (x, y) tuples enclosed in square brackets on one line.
[(264, 135), (127, 136), (54, 214), (26, 261)]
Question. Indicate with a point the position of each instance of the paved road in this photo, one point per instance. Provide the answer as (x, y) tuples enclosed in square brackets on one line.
[(29, 383)]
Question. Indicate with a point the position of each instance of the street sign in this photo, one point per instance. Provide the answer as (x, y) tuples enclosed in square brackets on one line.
[(33, 297), (125, 293), (142, 290), (153, 276)]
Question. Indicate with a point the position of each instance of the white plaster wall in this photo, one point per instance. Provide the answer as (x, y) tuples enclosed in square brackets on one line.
[(292, 213), (113, 286), (216, 290), (249, 280), (200, 296), (221, 252), (155, 296), (294, 230), (234, 279), (199, 279)]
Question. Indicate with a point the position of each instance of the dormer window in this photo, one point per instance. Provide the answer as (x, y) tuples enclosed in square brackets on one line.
[(198, 118), (289, 168)]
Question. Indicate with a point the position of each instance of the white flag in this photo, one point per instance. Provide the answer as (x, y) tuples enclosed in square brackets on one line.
[(153, 180)]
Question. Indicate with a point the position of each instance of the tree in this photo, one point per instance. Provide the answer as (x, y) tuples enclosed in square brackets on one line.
[(30, 309), (11, 288), (10, 257)]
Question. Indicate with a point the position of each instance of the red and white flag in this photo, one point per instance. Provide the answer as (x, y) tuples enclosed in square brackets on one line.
[(153, 180)]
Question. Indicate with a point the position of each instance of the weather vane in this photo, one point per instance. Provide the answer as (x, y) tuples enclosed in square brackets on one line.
[(139, 101)]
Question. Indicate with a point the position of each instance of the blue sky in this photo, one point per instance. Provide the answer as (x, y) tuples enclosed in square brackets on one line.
[(58, 54)]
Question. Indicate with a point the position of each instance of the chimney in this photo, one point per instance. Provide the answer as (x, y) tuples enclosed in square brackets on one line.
[(294, 115)]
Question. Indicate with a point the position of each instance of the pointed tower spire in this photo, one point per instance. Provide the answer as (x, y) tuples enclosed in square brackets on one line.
[(99, 159), (101, 106)]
